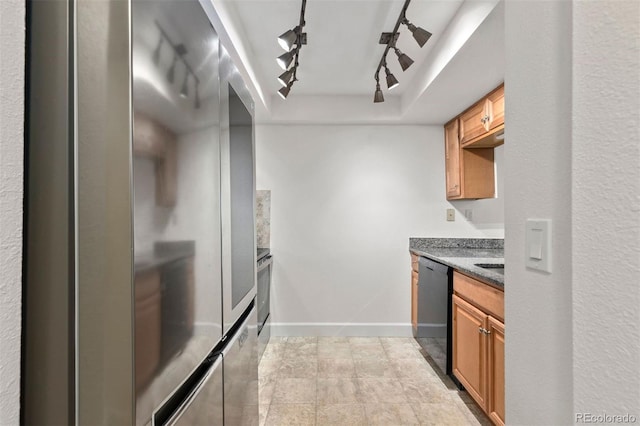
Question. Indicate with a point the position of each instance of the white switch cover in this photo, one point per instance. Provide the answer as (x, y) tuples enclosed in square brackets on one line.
[(538, 244)]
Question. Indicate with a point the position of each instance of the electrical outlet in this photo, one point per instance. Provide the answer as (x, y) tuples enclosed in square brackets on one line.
[(468, 214), (451, 215)]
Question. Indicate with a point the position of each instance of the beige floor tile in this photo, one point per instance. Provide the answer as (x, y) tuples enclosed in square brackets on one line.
[(403, 351), (263, 410), (266, 386), (337, 391), (302, 349), (374, 368), (306, 339), (278, 339), (274, 351), (374, 351), (440, 414), (380, 390), (336, 367), (294, 391), (393, 341), (413, 367), (335, 350), (303, 367), (420, 390), (291, 414), (472, 412), (341, 415), (330, 340), (390, 414), (269, 367), (364, 340)]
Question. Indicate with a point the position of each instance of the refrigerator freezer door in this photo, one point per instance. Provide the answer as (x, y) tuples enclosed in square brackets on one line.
[(205, 405), (176, 209), (240, 365)]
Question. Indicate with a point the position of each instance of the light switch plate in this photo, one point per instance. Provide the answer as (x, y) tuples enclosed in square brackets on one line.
[(451, 215), (538, 244)]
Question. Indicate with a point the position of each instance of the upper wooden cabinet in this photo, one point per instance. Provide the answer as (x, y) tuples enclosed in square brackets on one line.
[(452, 159), (482, 125)]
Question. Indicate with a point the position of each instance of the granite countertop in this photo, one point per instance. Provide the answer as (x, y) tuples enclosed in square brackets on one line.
[(462, 254)]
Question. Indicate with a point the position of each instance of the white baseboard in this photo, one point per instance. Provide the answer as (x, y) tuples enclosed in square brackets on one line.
[(342, 329)]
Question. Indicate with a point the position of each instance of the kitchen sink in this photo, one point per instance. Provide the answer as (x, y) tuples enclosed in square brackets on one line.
[(495, 267)]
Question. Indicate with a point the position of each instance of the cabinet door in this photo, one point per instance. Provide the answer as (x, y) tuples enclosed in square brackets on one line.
[(414, 300), (495, 108), (495, 407), (474, 122), (452, 159), (469, 351)]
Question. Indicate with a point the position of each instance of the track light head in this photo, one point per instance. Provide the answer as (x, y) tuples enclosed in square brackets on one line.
[(285, 59), (156, 53), (288, 39), (286, 77), (420, 34), (284, 92), (404, 60), (184, 92), (172, 69), (197, 101), (378, 96), (392, 81)]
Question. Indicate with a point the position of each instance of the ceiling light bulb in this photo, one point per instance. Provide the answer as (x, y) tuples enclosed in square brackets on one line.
[(172, 69), (420, 34), (286, 77), (184, 92), (288, 39), (392, 81), (404, 60), (284, 92), (378, 97), (285, 60), (156, 53)]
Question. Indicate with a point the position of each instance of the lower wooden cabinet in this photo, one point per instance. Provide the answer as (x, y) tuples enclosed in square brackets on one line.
[(478, 347), (414, 292)]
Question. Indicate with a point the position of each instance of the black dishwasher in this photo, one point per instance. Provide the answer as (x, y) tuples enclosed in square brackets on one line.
[(433, 332)]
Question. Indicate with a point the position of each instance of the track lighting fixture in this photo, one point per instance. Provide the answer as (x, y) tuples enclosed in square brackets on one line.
[(179, 51), (378, 96), (404, 60), (390, 39), (288, 39), (420, 34), (392, 81), (284, 92), (291, 41), (286, 76), (184, 92)]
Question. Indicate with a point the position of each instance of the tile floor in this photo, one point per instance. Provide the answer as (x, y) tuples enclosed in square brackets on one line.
[(356, 381)]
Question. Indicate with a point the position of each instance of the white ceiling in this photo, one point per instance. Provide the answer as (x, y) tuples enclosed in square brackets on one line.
[(463, 60)]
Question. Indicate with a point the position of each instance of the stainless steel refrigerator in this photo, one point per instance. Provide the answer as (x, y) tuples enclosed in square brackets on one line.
[(140, 271)]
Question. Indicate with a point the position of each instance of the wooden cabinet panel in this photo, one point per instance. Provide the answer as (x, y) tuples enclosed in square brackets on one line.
[(495, 108), (469, 352), (452, 159), (414, 262), (473, 122), (495, 408), (147, 325), (488, 298)]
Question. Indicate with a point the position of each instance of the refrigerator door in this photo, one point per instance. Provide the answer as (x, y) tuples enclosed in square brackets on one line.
[(238, 193), (204, 405), (176, 180), (240, 365)]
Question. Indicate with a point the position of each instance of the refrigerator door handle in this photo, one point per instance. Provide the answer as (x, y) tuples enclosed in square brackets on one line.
[(159, 419), (241, 335)]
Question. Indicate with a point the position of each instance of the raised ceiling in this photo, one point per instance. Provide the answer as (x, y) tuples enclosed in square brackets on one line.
[(463, 59)]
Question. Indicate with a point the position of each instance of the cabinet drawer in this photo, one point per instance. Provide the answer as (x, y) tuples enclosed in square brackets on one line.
[(482, 295)]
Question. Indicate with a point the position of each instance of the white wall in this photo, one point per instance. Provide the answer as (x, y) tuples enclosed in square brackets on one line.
[(344, 202), (573, 117), (606, 207), (12, 15)]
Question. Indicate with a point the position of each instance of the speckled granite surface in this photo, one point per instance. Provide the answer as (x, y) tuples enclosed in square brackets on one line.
[(463, 254), (263, 218)]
